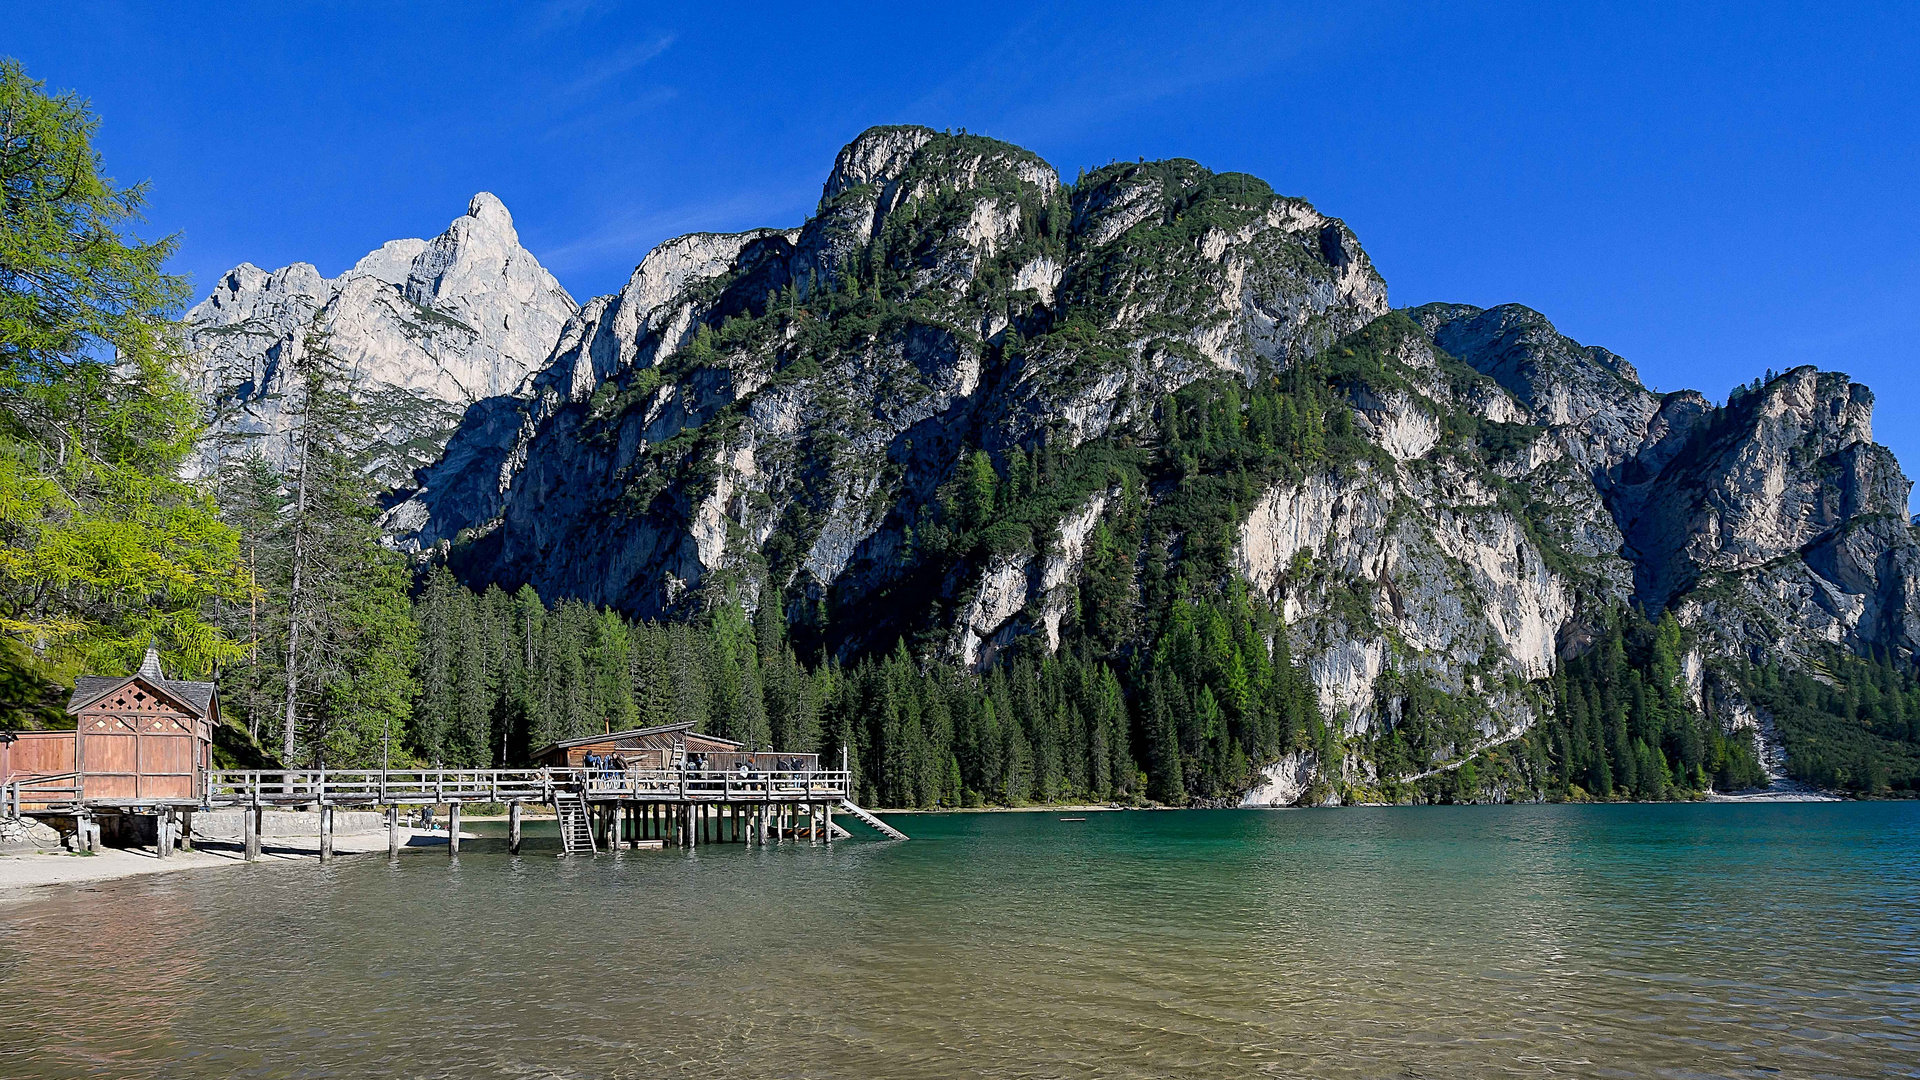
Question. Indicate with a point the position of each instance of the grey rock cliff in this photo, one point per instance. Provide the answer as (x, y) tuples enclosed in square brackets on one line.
[(427, 328), (790, 413), (849, 441)]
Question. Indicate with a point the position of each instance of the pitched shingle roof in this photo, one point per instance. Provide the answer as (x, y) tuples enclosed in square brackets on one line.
[(88, 689), (631, 733)]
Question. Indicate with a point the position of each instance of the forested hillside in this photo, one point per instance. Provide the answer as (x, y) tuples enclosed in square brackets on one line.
[(1010, 490)]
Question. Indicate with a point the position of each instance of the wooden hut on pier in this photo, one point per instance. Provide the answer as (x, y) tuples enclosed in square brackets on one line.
[(144, 739), (141, 745), (667, 746), (138, 741)]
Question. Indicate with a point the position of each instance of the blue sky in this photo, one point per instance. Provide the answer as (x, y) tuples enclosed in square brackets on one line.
[(1709, 190)]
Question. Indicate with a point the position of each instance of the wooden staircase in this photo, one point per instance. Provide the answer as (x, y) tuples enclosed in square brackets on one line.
[(889, 831), (576, 825)]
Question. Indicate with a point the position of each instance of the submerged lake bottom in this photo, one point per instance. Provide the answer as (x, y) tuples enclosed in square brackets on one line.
[(1657, 940)]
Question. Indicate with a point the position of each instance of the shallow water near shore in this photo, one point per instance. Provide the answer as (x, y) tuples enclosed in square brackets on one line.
[(1681, 940)]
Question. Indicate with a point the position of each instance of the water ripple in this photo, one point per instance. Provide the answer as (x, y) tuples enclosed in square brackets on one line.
[(1679, 941)]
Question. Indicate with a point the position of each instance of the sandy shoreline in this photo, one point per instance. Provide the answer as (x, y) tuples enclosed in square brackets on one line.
[(25, 870)]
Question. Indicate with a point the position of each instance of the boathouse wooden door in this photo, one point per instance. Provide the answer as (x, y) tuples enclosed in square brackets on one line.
[(138, 744)]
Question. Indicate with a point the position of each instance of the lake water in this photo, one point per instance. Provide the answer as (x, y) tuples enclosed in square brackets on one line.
[(1681, 941)]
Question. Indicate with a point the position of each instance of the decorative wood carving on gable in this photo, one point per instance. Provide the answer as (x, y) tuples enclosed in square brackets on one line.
[(137, 698)]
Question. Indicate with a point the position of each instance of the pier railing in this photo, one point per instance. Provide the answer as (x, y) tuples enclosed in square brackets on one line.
[(701, 785), (39, 792), (375, 787), (381, 787)]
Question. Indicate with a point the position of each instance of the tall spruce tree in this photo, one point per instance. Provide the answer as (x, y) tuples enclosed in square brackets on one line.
[(334, 601)]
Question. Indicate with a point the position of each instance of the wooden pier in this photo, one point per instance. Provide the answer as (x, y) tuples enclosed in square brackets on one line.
[(141, 753), (597, 809)]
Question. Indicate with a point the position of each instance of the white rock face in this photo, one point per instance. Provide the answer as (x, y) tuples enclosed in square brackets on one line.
[(426, 327), (1452, 583), (1042, 275), (1003, 592), (1060, 571), (1398, 424), (1282, 783)]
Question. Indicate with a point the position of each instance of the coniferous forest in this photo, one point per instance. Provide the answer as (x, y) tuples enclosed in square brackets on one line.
[(1171, 683)]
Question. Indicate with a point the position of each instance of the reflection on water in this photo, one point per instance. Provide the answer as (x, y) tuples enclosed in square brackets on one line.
[(1435, 942)]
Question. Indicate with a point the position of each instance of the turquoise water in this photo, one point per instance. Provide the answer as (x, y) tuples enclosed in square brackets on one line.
[(1682, 941)]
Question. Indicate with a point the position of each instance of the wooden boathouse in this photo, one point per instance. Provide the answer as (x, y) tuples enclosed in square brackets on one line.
[(141, 749), (142, 745)]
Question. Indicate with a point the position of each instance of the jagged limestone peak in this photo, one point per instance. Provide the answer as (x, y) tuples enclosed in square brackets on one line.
[(427, 327), (486, 208), (877, 155)]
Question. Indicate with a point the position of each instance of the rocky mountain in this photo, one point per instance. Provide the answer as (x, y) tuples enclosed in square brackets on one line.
[(427, 328), (972, 407)]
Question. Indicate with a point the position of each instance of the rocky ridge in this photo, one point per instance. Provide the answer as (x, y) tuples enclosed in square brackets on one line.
[(426, 329), (792, 414)]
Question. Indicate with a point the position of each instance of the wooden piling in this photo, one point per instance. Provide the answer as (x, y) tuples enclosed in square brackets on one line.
[(453, 829), (393, 832), (254, 820), (186, 830), (162, 838), (326, 832), (513, 828)]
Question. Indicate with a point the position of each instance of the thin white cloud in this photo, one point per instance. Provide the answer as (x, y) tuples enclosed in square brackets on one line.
[(615, 112), (608, 69)]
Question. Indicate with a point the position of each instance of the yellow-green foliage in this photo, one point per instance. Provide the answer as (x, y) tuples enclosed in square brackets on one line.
[(102, 547)]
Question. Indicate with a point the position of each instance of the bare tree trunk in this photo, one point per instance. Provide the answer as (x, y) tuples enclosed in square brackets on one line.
[(293, 594), (253, 636)]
